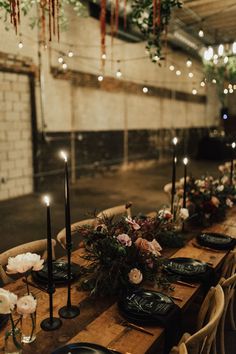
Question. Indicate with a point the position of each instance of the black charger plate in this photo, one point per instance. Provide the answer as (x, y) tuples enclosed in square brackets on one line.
[(186, 266), (216, 241), (59, 273), (83, 348), (146, 307)]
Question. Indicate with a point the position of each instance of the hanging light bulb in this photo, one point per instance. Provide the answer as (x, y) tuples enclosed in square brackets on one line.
[(190, 74), (213, 81), (70, 54), (20, 45), (100, 78), (64, 66), (188, 63), (171, 67), (221, 50), (234, 47), (178, 72), (145, 89), (225, 91), (231, 90), (226, 59), (104, 56), (118, 74), (156, 58), (202, 84), (230, 86), (234, 87), (208, 54), (194, 91), (60, 60), (201, 33)]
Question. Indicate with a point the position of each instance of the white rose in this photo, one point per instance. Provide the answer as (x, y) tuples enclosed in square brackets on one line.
[(183, 213), (7, 301), (229, 203), (220, 188), (24, 262), (26, 305), (135, 276), (224, 179)]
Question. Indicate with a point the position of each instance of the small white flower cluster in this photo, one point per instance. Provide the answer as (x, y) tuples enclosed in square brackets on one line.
[(8, 301), (24, 262)]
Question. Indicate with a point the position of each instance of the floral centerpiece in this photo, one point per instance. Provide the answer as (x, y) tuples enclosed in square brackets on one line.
[(120, 254), (207, 199)]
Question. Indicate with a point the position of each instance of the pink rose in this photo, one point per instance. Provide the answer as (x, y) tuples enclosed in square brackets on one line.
[(124, 239), (133, 223), (135, 276), (215, 201)]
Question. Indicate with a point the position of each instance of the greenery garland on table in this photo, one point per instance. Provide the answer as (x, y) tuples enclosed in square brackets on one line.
[(153, 22)]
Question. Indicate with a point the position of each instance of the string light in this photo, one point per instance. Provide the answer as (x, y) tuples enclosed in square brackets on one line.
[(221, 50), (100, 78), (188, 63), (226, 59), (231, 90), (64, 66), (202, 84), (201, 33), (214, 81), (60, 60), (234, 87), (145, 89), (104, 56), (156, 58), (178, 72), (118, 74), (70, 54), (230, 86), (225, 91), (234, 47), (171, 67), (20, 45), (194, 91), (208, 54), (190, 75)]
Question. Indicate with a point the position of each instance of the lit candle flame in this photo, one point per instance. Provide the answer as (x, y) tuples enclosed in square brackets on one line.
[(233, 145), (46, 200), (175, 140), (176, 159), (63, 155), (185, 161)]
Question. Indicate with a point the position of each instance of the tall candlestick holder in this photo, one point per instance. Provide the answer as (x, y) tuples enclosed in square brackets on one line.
[(69, 310), (174, 160), (51, 323), (233, 145)]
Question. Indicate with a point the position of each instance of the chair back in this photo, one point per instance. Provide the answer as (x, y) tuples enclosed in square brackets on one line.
[(209, 316), (61, 236), (229, 266), (182, 349), (124, 209), (39, 246)]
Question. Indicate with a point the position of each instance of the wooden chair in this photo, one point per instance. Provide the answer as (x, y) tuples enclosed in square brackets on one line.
[(61, 236), (228, 286), (182, 349), (124, 209), (39, 246), (229, 266), (202, 341)]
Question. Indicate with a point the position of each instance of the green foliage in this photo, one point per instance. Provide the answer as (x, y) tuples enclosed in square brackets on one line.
[(142, 16)]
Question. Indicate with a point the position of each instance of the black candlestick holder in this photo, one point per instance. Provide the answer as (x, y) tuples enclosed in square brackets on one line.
[(69, 311), (51, 323)]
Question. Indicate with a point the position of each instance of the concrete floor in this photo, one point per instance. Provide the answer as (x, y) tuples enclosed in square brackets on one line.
[(23, 219)]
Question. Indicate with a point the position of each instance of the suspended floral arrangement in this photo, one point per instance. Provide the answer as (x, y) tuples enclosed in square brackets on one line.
[(152, 18)]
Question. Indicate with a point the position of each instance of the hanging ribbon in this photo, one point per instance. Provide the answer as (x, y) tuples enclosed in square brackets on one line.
[(43, 4), (125, 14), (117, 16), (103, 29), (15, 13), (159, 13)]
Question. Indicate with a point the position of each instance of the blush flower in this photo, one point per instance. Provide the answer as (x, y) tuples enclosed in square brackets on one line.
[(155, 248), (215, 201), (7, 301), (133, 223), (184, 213), (26, 305), (124, 239), (24, 262), (229, 203), (135, 276)]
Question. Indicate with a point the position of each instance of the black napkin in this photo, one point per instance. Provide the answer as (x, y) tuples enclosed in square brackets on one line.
[(216, 241)]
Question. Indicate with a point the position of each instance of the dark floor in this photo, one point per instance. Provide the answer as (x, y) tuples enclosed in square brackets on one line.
[(23, 219)]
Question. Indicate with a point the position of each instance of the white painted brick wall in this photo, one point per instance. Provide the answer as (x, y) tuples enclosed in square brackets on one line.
[(15, 136)]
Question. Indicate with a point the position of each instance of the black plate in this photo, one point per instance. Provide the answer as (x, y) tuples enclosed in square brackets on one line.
[(216, 240), (3, 320), (186, 266), (59, 273), (82, 348)]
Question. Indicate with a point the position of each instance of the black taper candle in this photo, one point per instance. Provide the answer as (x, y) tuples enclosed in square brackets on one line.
[(175, 140), (185, 161), (233, 145), (68, 311), (51, 323)]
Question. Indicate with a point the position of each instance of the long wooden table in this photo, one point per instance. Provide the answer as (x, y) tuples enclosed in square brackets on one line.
[(100, 321)]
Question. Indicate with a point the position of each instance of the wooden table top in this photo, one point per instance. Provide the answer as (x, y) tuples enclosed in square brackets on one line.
[(99, 321)]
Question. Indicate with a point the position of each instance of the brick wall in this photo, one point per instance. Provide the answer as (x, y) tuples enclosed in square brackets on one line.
[(16, 167)]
